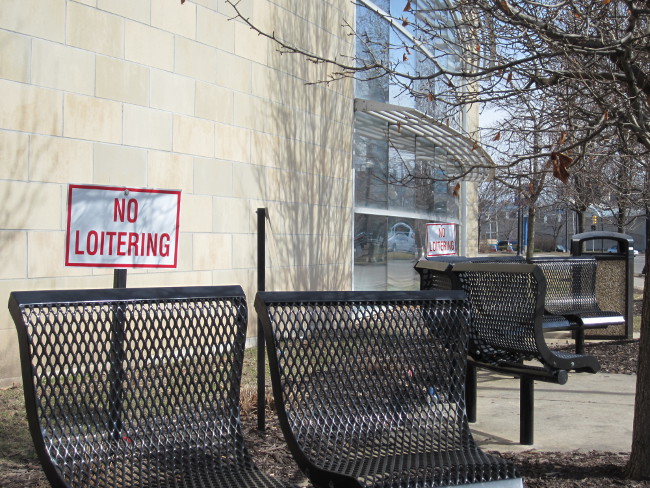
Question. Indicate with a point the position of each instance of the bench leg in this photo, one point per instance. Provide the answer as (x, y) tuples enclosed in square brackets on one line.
[(580, 341), (526, 407), (470, 392)]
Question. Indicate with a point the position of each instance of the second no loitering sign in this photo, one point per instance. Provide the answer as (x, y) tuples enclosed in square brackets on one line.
[(441, 239), (122, 227)]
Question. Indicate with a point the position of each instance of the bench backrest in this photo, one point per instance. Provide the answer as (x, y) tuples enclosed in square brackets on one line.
[(507, 305), (367, 382), (435, 272), (434, 275), (570, 284), (149, 375)]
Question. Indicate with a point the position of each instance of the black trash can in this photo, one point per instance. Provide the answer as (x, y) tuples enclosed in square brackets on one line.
[(614, 277)]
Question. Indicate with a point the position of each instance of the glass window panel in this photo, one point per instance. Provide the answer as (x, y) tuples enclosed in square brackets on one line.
[(386, 250), (370, 161), (399, 173), (403, 250), (371, 48), (401, 167), (395, 172), (370, 271), (380, 42)]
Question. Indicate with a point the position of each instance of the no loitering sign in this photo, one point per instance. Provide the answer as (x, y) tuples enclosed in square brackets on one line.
[(441, 239), (121, 227)]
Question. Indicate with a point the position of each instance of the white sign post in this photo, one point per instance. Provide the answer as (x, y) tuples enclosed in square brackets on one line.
[(441, 240), (119, 227)]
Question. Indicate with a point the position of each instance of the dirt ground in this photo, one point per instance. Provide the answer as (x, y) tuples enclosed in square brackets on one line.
[(539, 469), (593, 469)]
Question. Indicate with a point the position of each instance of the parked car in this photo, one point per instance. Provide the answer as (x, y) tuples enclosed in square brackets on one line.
[(401, 238), (560, 248), (614, 250), (507, 246)]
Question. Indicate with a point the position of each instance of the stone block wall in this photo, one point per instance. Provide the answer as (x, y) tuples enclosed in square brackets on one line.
[(155, 94)]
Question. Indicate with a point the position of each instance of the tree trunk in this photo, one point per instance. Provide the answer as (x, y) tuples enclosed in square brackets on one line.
[(647, 240), (638, 467), (621, 216), (581, 219), (530, 248)]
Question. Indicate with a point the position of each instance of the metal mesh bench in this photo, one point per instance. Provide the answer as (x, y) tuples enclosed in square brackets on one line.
[(436, 275), (435, 272), (369, 388), (136, 387), (507, 332), (571, 292)]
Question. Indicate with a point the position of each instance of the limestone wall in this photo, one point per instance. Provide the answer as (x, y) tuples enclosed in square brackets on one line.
[(155, 94)]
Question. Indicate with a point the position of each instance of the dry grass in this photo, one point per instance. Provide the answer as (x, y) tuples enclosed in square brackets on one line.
[(19, 466), (16, 447), (15, 441)]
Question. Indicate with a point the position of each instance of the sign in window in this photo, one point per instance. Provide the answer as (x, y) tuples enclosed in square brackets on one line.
[(441, 240)]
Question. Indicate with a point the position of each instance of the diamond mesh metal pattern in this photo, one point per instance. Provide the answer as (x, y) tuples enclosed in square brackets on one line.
[(507, 309), (431, 279), (503, 315), (133, 389), (571, 288), (370, 387), (512, 258), (434, 276)]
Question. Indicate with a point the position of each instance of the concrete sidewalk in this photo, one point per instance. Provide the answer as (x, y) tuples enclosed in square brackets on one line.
[(589, 412), (639, 281)]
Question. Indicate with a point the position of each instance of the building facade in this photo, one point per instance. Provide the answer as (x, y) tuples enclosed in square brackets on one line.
[(407, 148), (155, 94)]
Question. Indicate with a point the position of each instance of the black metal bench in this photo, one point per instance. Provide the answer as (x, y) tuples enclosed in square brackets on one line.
[(369, 388), (507, 332), (136, 387), (436, 275), (571, 292), (435, 272)]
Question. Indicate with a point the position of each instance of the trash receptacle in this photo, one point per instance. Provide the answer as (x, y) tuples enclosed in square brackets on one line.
[(614, 277)]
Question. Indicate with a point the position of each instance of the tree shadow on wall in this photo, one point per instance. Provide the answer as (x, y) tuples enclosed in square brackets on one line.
[(305, 156)]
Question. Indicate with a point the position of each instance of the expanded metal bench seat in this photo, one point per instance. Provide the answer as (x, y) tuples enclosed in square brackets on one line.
[(136, 387), (369, 388), (571, 292), (507, 332), (555, 323)]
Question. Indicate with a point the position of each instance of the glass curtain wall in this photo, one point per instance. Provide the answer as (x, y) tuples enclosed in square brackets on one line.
[(398, 189)]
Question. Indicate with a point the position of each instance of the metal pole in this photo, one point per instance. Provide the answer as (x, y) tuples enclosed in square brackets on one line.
[(261, 286), (629, 289), (116, 357), (647, 241), (519, 240), (520, 230), (470, 392), (119, 278), (526, 410)]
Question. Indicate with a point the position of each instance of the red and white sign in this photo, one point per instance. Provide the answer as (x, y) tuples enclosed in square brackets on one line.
[(441, 240), (119, 227)]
